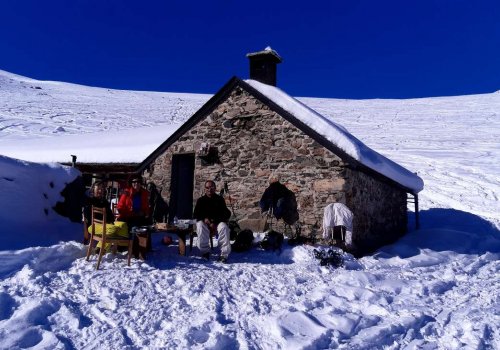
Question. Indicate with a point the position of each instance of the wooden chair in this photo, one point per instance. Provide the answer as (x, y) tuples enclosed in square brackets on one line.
[(114, 209), (266, 223), (99, 217), (270, 222)]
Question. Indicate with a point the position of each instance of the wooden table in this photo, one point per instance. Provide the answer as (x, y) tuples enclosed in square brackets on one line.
[(180, 232), (141, 241)]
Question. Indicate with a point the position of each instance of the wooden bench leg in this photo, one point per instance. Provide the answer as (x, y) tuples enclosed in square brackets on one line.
[(89, 250), (191, 237), (129, 252), (182, 242), (101, 253)]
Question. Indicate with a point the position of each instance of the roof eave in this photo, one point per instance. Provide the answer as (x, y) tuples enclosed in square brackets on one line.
[(109, 168)]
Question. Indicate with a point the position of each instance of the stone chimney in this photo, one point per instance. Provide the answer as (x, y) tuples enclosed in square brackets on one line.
[(263, 65)]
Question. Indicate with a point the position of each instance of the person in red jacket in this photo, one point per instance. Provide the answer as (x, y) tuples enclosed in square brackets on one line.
[(133, 206)]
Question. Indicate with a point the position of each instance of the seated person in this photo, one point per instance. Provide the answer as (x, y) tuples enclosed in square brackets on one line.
[(280, 200), (211, 213), (113, 228), (338, 215), (133, 206)]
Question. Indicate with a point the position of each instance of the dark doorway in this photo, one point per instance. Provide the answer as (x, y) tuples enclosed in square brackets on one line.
[(181, 187)]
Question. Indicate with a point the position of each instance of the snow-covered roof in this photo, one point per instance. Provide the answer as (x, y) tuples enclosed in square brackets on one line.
[(123, 146), (340, 137)]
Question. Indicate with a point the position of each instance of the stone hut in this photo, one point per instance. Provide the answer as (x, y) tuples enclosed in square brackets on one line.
[(249, 130)]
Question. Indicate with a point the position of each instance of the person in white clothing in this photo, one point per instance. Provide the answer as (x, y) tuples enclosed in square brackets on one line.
[(337, 214), (211, 213)]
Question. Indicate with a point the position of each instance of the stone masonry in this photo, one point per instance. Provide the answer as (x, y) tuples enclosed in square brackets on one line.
[(253, 141)]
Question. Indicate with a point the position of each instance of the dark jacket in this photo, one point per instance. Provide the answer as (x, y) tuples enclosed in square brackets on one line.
[(213, 208), (282, 201), (272, 194), (100, 203)]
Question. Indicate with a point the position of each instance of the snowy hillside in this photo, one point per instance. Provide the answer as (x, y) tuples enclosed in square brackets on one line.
[(436, 288), (30, 108)]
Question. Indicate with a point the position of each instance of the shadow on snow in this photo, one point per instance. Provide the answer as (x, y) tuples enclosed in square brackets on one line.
[(166, 257), (447, 230)]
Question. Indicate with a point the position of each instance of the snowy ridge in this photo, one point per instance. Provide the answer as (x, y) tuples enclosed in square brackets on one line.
[(44, 108)]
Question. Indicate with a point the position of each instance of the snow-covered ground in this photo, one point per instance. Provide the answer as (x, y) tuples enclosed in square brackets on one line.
[(437, 288)]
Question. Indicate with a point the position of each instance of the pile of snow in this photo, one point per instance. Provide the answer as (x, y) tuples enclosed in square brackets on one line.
[(436, 288), (29, 192)]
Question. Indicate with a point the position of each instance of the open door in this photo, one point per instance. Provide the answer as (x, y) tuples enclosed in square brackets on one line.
[(181, 187)]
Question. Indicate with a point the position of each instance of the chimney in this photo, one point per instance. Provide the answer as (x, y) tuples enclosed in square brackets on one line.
[(263, 65)]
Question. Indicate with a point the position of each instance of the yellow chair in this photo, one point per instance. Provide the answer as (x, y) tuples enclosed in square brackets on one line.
[(99, 223)]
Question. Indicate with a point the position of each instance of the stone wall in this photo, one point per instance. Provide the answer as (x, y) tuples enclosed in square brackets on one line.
[(253, 142), (380, 210)]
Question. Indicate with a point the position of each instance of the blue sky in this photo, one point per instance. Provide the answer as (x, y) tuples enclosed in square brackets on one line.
[(343, 49)]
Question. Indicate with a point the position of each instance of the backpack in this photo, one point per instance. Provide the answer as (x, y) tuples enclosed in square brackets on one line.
[(243, 241), (331, 257), (234, 229), (272, 241)]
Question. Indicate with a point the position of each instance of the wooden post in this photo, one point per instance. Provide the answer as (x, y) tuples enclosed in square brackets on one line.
[(417, 217), (182, 242)]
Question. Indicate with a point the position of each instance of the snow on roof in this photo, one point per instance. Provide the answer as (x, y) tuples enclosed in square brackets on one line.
[(340, 137), (124, 146)]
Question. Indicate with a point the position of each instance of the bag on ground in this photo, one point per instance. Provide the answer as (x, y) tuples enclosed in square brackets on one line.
[(272, 241), (331, 257), (243, 241)]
